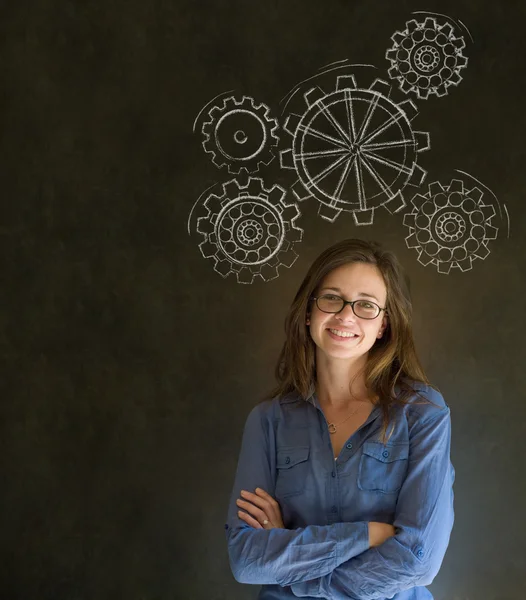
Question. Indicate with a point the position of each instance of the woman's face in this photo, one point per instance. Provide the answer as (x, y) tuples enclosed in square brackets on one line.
[(353, 281)]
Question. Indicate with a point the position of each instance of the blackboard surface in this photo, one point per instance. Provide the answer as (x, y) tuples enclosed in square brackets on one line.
[(137, 331)]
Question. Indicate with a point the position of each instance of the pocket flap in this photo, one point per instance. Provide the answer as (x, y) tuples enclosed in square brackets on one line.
[(288, 456), (385, 453)]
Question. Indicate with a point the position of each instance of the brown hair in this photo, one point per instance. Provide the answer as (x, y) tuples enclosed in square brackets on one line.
[(392, 360)]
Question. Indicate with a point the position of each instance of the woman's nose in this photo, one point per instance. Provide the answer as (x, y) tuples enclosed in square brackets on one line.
[(347, 313)]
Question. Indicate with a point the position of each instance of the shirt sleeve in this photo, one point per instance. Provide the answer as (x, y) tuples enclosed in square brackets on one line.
[(281, 556), (423, 522)]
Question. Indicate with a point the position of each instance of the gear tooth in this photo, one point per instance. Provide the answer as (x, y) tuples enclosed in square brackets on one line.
[(409, 109), (491, 232), (254, 187), (346, 82), (424, 259), (405, 86), (411, 241), (488, 211), (276, 194), (299, 190), (459, 43), (268, 272), (223, 267), (289, 213), (417, 176), (411, 26), (204, 226), (217, 161), (213, 113), (381, 86), (455, 78), (328, 213), (466, 264), (409, 220), (441, 90), (430, 23), (245, 275), (291, 123), (396, 203), (418, 200), (363, 217), (435, 188), (286, 159), (456, 185), (313, 95), (208, 250), (287, 257), (391, 54), (263, 162), (444, 267), (295, 234), (231, 189), (213, 204), (245, 102), (423, 94), (393, 72), (462, 61), (423, 141), (397, 38), (476, 194), (447, 29)]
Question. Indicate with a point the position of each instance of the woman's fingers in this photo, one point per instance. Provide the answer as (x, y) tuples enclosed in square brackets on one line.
[(250, 520), (262, 506), (255, 511)]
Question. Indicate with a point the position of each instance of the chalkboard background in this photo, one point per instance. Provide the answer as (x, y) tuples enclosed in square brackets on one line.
[(130, 364)]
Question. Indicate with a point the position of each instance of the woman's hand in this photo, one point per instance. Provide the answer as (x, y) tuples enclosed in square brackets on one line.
[(379, 533), (263, 511)]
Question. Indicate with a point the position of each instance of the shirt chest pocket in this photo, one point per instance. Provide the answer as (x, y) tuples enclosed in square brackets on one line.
[(292, 464), (382, 468)]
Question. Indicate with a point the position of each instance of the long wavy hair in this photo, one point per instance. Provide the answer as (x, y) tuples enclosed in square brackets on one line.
[(392, 361)]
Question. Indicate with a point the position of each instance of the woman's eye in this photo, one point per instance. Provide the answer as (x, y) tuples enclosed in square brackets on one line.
[(331, 297), (365, 304)]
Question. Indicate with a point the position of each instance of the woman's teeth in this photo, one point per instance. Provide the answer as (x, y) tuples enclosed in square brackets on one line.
[(342, 333)]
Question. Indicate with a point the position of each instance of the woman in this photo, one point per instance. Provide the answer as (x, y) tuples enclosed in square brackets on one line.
[(344, 481)]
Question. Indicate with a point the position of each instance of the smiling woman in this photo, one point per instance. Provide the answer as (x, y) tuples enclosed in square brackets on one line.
[(344, 485)]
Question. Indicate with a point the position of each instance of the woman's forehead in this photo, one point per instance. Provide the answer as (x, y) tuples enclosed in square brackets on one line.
[(356, 278)]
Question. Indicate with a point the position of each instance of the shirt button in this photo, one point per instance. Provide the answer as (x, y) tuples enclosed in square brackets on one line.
[(349, 446), (419, 552), (287, 460), (385, 454), (333, 474)]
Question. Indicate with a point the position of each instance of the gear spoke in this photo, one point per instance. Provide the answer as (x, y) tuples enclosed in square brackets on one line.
[(330, 117), (322, 136), (367, 119), (350, 115), (344, 177), (376, 176), (389, 163)]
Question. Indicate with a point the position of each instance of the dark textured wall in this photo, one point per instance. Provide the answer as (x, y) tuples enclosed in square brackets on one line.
[(129, 364)]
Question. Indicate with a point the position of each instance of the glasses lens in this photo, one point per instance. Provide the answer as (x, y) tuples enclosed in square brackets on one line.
[(366, 309), (330, 303)]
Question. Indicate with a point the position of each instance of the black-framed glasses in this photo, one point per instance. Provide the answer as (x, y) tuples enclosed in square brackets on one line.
[(364, 309)]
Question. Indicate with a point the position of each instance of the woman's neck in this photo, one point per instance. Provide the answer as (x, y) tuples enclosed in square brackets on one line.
[(333, 382)]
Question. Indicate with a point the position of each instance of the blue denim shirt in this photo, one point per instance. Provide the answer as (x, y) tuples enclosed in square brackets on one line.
[(326, 504)]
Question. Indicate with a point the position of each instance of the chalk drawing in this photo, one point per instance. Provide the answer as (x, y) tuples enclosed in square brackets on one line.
[(240, 134), (250, 230), (354, 150), (426, 58), (450, 226)]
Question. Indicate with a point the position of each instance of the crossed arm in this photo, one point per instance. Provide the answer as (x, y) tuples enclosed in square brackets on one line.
[(339, 561)]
